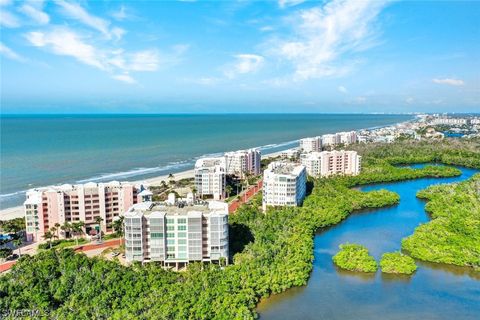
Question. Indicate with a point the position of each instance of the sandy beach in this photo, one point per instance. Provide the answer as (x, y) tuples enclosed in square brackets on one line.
[(17, 212)]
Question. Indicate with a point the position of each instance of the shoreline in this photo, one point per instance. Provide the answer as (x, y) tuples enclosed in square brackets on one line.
[(17, 211)]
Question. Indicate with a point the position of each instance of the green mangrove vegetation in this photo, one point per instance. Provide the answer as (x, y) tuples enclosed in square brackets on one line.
[(355, 257), (270, 253), (453, 234), (397, 262)]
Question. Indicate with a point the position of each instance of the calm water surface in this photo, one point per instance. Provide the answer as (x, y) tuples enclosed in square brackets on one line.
[(433, 292)]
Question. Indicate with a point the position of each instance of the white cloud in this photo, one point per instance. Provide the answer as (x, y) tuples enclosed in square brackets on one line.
[(245, 63), (409, 100), (35, 13), (124, 78), (121, 14), (266, 28), (66, 42), (324, 35), (342, 89), (77, 12), (449, 81), (289, 3), (9, 53), (63, 41), (147, 60), (207, 81), (8, 20), (360, 100)]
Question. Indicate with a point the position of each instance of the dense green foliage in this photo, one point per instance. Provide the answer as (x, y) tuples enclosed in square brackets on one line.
[(396, 262), (464, 152), (12, 225), (453, 235), (272, 252), (62, 243), (355, 257)]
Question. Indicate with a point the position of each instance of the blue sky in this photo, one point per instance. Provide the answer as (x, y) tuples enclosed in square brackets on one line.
[(239, 56)]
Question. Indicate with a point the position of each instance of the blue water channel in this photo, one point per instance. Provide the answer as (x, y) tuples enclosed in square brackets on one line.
[(435, 291)]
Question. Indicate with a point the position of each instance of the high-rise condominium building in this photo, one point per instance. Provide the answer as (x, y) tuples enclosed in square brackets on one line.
[(339, 138), (45, 207), (326, 163), (210, 177), (243, 162), (313, 144), (284, 184), (177, 234)]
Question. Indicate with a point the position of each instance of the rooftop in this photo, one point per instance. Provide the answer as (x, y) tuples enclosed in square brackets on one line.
[(286, 168), (161, 208)]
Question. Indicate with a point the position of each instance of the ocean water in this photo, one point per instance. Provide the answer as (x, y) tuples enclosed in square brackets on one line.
[(40, 150)]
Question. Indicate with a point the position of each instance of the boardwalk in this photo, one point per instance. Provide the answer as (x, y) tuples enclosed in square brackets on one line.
[(245, 197)]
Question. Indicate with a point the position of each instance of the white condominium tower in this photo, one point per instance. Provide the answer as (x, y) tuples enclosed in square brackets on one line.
[(312, 144), (210, 177), (177, 234), (284, 184), (45, 207), (326, 163), (339, 138), (243, 162)]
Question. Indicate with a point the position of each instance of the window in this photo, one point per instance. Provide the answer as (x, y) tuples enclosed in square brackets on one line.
[(182, 241), (171, 241), (170, 221), (182, 220), (170, 235), (182, 228), (181, 234), (156, 235)]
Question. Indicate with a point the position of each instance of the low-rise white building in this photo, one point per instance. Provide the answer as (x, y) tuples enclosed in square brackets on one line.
[(210, 177), (243, 162), (312, 144), (449, 121), (327, 163), (177, 234), (284, 184)]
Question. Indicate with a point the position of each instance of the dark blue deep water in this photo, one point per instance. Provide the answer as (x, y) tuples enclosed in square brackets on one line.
[(433, 292)]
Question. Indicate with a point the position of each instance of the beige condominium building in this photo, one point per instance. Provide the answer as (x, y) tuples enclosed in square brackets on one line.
[(175, 235), (46, 207), (243, 162), (210, 177), (327, 163)]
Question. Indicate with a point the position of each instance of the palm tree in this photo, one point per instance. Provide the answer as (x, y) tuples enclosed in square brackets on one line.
[(77, 229), (54, 232), (48, 236), (66, 228), (118, 226), (228, 190), (18, 242), (99, 220), (57, 228)]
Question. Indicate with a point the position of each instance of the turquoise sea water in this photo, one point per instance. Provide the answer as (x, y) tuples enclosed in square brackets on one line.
[(40, 150)]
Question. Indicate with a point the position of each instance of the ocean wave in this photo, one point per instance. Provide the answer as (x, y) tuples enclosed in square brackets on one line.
[(12, 194), (137, 172), (173, 167)]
